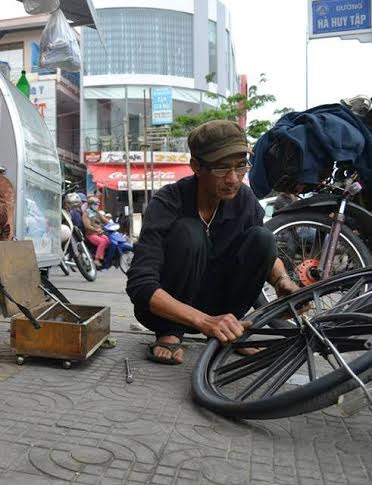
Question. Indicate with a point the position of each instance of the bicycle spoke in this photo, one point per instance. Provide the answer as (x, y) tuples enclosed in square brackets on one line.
[(360, 301), (317, 301), (348, 344), (350, 294), (250, 363), (302, 245), (295, 314), (347, 331), (254, 344), (285, 332), (310, 360), (286, 357), (285, 375)]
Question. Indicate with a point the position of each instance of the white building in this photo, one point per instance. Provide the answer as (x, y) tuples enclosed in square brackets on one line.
[(182, 44)]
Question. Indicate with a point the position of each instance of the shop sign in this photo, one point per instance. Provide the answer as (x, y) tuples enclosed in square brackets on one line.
[(162, 106), (92, 157), (43, 96), (330, 18), (137, 156)]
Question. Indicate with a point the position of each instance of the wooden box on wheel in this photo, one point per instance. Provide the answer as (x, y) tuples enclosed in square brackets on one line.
[(67, 332)]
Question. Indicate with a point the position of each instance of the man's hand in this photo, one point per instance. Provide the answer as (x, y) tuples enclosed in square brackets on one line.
[(285, 286), (226, 328)]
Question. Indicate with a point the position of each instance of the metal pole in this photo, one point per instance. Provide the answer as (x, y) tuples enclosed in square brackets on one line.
[(152, 173), (145, 147), (151, 153), (127, 164), (307, 69)]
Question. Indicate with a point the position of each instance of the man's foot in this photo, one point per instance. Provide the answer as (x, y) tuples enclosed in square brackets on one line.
[(249, 351), (166, 350)]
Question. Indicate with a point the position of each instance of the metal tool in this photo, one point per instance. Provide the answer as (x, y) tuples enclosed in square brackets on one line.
[(129, 376), (79, 319)]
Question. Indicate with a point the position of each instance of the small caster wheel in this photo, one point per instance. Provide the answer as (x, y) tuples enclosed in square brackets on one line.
[(20, 360), (66, 364)]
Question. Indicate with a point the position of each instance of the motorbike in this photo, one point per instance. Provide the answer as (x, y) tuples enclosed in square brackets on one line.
[(75, 251), (122, 250), (324, 234)]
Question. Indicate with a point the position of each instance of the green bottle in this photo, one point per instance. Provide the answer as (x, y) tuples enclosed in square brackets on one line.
[(23, 85)]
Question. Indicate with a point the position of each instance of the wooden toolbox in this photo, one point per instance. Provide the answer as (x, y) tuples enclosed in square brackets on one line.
[(68, 332)]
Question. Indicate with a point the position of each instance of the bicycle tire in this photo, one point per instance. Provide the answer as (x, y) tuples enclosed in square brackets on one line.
[(312, 396), (83, 260)]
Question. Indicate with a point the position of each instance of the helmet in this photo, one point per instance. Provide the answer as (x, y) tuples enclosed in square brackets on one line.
[(92, 200), (72, 200), (82, 196)]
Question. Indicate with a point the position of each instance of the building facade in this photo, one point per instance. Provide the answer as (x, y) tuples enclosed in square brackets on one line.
[(55, 92), (184, 45)]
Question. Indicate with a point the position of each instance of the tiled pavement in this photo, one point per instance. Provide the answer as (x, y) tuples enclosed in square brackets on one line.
[(86, 425)]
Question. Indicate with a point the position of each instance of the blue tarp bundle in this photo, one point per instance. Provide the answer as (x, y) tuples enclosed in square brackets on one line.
[(314, 139)]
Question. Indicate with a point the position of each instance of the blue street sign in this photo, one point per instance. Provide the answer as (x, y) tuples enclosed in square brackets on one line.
[(339, 16), (162, 106)]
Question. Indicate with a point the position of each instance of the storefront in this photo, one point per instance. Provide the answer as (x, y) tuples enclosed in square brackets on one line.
[(108, 172)]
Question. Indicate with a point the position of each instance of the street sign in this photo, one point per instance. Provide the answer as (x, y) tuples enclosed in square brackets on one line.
[(339, 18), (162, 106)]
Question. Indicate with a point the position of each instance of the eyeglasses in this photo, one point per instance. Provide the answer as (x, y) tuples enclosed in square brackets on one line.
[(241, 169)]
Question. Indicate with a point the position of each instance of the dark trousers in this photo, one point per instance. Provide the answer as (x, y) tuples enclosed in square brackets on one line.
[(193, 276)]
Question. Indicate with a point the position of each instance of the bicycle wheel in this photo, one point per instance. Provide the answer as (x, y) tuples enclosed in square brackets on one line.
[(125, 261), (300, 239), (294, 372)]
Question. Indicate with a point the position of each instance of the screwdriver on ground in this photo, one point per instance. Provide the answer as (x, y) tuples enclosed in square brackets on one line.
[(129, 376)]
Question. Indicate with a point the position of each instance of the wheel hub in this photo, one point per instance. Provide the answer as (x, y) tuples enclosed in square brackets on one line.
[(307, 272)]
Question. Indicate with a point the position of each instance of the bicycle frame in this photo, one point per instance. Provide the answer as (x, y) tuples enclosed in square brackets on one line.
[(338, 217)]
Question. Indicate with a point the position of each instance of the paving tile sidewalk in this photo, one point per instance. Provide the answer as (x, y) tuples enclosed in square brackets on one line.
[(86, 425)]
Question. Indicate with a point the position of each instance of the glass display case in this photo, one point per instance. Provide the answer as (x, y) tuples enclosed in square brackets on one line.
[(29, 155)]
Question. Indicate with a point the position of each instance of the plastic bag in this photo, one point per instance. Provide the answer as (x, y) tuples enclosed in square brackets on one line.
[(34, 7), (58, 44)]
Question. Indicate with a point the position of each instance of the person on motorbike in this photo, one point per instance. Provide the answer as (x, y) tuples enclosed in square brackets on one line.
[(73, 204), (203, 256), (93, 227)]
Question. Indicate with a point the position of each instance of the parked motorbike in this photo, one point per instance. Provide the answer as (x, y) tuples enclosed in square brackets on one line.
[(75, 251), (307, 243)]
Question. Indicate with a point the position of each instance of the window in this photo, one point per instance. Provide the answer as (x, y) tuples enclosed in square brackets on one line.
[(228, 59), (212, 42), (140, 41), (13, 55)]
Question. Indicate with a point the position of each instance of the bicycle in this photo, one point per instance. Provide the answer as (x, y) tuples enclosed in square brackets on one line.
[(320, 350), (325, 234)]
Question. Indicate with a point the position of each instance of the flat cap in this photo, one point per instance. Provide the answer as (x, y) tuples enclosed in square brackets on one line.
[(217, 139)]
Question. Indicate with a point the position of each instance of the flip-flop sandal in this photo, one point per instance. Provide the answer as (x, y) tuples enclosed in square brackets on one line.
[(161, 360)]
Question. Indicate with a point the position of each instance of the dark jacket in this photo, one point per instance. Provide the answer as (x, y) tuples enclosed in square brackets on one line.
[(169, 204), (319, 136)]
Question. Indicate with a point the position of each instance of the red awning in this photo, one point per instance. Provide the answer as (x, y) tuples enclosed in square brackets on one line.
[(115, 176)]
